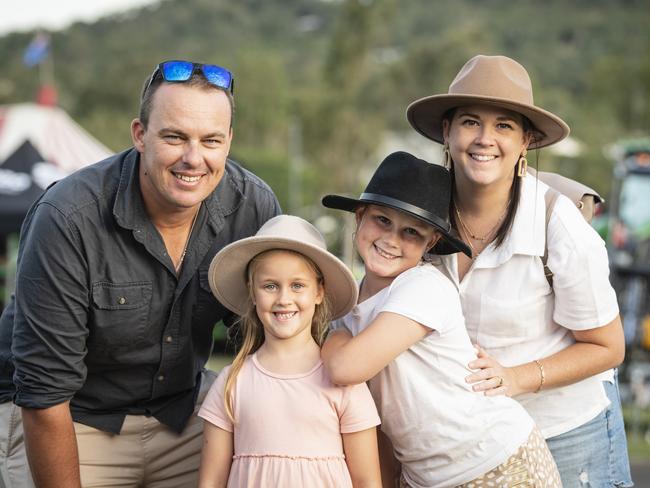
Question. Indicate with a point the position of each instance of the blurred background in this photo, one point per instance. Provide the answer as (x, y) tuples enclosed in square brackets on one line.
[(321, 91)]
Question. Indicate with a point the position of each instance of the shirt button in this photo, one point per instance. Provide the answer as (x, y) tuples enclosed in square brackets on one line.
[(168, 339), (121, 300), (161, 377)]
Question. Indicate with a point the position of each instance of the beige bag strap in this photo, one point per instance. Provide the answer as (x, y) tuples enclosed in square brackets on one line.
[(585, 198), (550, 198)]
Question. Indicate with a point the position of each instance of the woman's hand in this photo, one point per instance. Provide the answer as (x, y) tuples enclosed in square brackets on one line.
[(491, 378)]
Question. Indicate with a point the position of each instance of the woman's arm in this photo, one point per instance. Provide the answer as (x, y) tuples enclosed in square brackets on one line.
[(362, 458), (596, 350), (352, 360), (216, 457)]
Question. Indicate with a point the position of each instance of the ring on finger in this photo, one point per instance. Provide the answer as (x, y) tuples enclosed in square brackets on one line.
[(499, 381)]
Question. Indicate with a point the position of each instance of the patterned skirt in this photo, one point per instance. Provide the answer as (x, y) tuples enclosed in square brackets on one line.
[(532, 466)]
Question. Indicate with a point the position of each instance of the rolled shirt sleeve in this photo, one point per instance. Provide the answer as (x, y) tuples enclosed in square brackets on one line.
[(584, 297), (52, 298)]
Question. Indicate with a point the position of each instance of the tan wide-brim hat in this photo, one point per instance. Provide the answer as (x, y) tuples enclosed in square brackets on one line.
[(227, 273), (490, 80)]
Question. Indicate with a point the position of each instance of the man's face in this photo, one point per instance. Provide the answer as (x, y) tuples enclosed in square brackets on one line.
[(183, 150)]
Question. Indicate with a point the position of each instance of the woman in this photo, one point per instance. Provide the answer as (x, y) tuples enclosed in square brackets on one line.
[(553, 349)]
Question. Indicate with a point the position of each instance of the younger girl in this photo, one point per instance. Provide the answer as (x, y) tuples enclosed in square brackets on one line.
[(273, 417), (409, 329)]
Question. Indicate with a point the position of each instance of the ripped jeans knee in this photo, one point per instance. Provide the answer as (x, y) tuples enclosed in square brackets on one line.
[(582, 455)]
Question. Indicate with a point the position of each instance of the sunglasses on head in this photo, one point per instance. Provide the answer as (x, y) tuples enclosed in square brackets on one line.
[(180, 71)]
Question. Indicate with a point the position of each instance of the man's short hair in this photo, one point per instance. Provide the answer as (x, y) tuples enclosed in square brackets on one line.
[(197, 80)]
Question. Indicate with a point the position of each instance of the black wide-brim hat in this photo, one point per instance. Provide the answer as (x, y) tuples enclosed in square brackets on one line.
[(413, 186)]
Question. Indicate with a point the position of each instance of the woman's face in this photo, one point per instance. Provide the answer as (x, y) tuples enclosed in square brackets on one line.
[(485, 144)]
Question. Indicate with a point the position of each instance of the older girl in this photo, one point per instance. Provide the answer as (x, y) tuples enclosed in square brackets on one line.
[(407, 337)]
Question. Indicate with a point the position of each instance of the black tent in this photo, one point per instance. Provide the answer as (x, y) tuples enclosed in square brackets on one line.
[(18, 188), (38, 145)]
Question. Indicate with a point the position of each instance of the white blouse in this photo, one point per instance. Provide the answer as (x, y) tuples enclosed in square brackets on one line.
[(511, 311)]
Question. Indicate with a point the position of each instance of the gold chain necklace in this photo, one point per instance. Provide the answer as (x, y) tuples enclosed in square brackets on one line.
[(469, 241), (469, 232), (471, 236), (187, 242)]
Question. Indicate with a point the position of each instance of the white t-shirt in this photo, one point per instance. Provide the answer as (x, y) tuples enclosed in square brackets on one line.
[(444, 434), (511, 311)]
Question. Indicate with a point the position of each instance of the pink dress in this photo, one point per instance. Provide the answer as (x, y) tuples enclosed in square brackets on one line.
[(289, 427)]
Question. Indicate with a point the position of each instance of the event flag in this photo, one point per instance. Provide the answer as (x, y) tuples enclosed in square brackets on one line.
[(37, 50)]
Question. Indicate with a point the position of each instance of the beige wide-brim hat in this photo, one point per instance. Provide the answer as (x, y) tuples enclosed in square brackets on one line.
[(228, 269), (490, 80)]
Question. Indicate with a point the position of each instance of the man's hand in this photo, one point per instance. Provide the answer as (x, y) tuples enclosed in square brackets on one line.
[(51, 446)]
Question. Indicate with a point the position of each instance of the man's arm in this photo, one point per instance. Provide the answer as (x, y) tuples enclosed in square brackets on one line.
[(51, 446), (49, 343), (268, 206)]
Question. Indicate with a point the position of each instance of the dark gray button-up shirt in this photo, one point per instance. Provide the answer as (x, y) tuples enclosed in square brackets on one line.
[(99, 316)]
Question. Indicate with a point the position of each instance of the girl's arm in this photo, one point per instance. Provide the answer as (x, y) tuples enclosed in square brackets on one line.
[(352, 360), (216, 457), (362, 458), (596, 350), (390, 467)]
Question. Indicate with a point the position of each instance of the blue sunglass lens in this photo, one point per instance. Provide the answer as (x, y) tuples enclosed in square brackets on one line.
[(217, 76), (177, 70)]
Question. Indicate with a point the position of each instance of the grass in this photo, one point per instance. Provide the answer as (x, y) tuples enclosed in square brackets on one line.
[(638, 448), (637, 423), (218, 361)]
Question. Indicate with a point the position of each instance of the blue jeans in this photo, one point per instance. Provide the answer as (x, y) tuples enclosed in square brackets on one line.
[(594, 455), (619, 461)]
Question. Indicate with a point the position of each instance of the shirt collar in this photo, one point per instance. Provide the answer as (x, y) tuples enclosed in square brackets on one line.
[(128, 208), (527, 235)]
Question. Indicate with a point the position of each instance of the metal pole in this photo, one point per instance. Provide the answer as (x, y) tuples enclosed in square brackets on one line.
[(296, 164)]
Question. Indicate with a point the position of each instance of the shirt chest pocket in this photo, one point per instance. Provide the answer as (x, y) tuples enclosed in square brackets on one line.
[(511, 321), (119, 314)]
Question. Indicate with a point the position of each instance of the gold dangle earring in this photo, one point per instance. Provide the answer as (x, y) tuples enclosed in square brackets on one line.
[(522, 164), (446, 156)]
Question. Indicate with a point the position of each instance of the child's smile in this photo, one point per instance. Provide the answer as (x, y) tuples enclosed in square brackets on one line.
[(383, 253), (390, 241), (284, 316), (286, 292)]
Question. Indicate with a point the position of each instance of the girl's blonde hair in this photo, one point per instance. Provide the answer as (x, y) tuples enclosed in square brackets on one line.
[(252, 330)]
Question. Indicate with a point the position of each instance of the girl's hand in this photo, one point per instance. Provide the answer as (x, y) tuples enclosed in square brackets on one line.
[(491, 378)]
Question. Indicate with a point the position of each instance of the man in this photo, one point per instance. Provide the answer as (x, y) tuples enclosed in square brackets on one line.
[(112, 318)]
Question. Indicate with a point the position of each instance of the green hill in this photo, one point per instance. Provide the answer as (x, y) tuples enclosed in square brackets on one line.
[(340, 73)]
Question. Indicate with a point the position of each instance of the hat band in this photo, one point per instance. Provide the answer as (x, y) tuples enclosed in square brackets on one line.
[(392, 202)]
